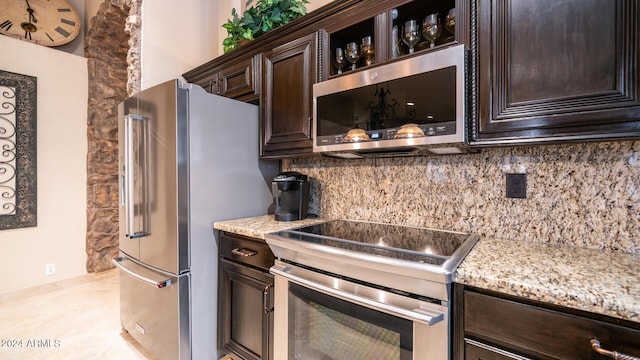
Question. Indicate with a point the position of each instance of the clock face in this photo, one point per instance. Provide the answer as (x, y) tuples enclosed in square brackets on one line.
[(44, 22)]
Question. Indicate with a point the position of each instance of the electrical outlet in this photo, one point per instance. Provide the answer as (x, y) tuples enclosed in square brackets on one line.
[(50, 269), (517, 186)]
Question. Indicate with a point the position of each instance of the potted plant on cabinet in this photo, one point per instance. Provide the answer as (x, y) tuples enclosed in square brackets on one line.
[(263, 17)]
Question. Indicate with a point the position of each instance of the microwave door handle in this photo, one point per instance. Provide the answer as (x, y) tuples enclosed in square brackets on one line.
[(136, 176)]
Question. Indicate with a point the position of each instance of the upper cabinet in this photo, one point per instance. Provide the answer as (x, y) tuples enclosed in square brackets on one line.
[(383, 31), (551, 70), (238, 79), (540, 71), (288, 73)]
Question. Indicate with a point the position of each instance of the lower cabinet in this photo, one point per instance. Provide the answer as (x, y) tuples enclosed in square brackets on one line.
[(493, 326), (475, 350), (245, 298)]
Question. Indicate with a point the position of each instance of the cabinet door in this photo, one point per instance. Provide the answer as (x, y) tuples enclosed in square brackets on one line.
[(237, 81), (238, 78), (245, 318), (557, 70), (289, 72)]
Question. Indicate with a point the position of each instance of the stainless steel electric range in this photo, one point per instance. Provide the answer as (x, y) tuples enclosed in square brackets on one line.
[(361, 290)]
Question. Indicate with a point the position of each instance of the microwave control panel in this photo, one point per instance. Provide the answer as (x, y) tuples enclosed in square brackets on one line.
[(434, 129)]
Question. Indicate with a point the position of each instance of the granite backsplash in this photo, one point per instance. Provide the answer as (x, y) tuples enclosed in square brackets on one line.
[(585, 195)]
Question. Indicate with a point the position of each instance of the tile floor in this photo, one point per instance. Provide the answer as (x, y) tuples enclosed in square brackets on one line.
[(76, 319)]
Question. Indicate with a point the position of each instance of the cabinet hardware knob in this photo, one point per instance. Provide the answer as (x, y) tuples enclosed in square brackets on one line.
[(595, 345)]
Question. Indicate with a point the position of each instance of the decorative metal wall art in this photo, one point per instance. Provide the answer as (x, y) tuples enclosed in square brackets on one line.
[(18, 180)]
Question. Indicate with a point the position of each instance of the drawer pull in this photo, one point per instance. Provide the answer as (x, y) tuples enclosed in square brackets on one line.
[(595, 345), (243, 252)]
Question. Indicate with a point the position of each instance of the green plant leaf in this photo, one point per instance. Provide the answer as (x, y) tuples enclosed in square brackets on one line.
[(248, 34), (247, 19), (262, 17)]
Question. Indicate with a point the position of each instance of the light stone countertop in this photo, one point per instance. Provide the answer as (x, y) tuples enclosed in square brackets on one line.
[(258, 226), (602, 282)]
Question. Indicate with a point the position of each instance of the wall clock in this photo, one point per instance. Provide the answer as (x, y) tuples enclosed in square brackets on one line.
[(44, 22)]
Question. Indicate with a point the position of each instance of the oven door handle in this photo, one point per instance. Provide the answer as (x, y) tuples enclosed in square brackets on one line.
[(422, 315)]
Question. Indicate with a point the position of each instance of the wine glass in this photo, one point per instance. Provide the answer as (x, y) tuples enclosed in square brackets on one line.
[(339, 61), (450, 21), (368, 50), (396, 43), (431, 29), (353, 54), (411, 34)]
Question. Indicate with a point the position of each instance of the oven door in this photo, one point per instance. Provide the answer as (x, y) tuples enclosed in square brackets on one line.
[(326, 317)]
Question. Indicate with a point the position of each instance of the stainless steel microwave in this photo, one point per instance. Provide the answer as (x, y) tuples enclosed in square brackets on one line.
[(405, 107)]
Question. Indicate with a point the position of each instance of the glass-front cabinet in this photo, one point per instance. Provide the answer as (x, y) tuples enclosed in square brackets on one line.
[(389, 30)]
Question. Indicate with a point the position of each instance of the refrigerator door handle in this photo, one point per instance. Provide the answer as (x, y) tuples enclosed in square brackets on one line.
[(159, 284), (136, 176)]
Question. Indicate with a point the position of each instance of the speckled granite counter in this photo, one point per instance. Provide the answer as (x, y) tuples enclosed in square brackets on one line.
[(597, 281), (258, 226)]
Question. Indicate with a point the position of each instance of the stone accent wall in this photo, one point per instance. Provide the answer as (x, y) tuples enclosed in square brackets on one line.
[(106, 51), (133, 27)]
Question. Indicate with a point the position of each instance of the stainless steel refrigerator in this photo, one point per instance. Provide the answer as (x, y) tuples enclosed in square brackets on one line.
[(186, 159)]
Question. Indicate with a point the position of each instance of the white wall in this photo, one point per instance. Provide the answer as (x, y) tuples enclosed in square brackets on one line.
[(61, 167), (178, 36)]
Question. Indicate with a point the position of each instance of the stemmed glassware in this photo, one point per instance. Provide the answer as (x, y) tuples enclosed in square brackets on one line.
[(338, 60), (431, 29), (450, 21), (368, 50), (396, 45), (353, 54), (411, 34)]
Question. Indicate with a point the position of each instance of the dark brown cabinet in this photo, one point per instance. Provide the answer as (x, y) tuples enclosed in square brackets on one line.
[(238, 79), (495, 326), (383, 21), (482, 352), (552, 70), (245, 298), (288, 73)]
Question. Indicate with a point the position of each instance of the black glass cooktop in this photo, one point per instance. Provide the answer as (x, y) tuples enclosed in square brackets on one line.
[(401, 242)]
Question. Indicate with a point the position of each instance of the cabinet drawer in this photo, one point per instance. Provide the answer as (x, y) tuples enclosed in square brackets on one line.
[(475, 350), (238, 80), (249, 251), (542, 333)]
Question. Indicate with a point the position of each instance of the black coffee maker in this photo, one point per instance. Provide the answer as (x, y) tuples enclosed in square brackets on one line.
[(291, 195)]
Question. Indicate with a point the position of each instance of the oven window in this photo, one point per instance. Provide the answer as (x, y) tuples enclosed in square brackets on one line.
[(327, 328)]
